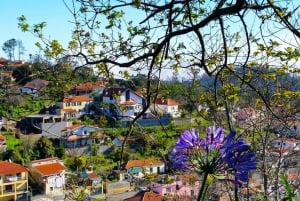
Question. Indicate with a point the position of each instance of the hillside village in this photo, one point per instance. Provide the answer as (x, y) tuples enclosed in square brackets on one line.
[(145, 178)]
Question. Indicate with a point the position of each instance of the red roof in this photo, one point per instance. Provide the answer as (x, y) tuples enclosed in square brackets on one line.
[(7, 168), (93, 175), (143, 162), (69, 110), (50, 169), (147, 196), (90, 86), (76, 99), (71, 127), (2, 137), (152, 196), (167, 101), (129, 102)]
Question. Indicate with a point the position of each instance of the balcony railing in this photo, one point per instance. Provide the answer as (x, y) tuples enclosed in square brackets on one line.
[(11, 179)]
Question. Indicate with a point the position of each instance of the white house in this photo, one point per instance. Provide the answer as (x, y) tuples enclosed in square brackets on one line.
[(130, 102), (80, 135), (49, 173), (139, 168), (166, 106)]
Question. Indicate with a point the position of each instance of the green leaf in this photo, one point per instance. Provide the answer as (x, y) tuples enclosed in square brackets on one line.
[(288, 189)]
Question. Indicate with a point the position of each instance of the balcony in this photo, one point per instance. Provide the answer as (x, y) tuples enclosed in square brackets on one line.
[(11, 179)]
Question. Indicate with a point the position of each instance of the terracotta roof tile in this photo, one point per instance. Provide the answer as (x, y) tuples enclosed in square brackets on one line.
[(293, 176), (7, 168), (143, 163), (89, 86), (129, 102), (76, 99), (152, 196), (73, 127), (93, 175), (73, 138), (69, 110), (2, 137), (167, 101), (50, 169)]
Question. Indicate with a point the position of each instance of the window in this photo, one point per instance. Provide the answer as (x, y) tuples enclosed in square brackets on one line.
[(192, 193), (9, 188), (51, 188), (168, 189), (151, 169)]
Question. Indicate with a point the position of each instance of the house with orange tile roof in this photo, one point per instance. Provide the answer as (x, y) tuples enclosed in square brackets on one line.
[(78, 135), (93, 180), (166, 106), (73, 107), (146, 196), (49, 173), (13, 182), (138, 168), (90, 88)]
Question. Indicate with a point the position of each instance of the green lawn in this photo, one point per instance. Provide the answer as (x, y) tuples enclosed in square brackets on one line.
[(11, 140)]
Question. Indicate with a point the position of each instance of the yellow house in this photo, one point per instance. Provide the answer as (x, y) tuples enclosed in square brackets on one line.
[(73, 106), (13, 182)]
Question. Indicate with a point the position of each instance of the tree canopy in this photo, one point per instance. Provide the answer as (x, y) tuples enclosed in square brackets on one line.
[(226, 49), (123, 38)]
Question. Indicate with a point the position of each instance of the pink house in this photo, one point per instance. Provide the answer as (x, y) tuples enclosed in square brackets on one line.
[(183, 186)]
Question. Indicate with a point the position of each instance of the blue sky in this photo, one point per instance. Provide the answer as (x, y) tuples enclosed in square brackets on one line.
[(53, 12)]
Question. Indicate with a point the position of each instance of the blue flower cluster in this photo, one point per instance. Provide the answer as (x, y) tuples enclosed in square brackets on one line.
[(216, 154)]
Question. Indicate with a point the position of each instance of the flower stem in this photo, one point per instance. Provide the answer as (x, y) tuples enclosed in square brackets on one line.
[(203, 189)]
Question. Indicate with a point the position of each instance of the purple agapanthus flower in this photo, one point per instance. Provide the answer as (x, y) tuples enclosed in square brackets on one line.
[(238, 157), (214, 138), (215, 154), (188, 140)]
